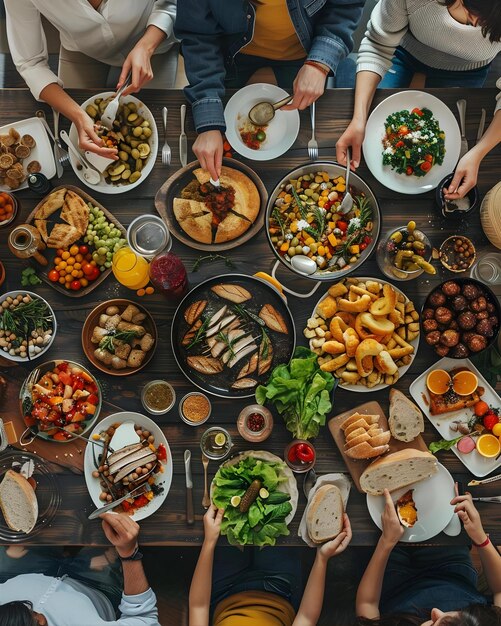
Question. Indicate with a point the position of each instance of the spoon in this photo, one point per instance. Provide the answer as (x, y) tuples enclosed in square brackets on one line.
[(304, 265), (347, 203), (92, 176), (309, 481), (263, 112)]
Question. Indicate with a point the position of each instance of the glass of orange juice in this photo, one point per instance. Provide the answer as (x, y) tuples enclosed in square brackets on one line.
[(130, 269)]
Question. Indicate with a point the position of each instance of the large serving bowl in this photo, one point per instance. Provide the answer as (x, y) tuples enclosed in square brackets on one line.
[(356, 183)]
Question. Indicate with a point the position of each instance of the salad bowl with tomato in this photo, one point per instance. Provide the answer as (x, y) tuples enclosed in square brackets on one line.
[(58, 399)]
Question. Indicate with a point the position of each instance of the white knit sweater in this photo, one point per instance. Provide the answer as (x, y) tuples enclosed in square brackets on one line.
[(426, 29)]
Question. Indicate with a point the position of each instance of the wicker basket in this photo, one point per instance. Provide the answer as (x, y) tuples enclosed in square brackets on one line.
[(490, 215)]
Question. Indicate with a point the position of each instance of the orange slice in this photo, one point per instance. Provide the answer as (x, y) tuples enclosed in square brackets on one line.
[(438, 381), (464, 383), (488, 446)]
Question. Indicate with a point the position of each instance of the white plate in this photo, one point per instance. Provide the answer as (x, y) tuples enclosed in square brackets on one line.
[(281, 132), (401, 370), (164, 479), (375, 131), (109, 188), (432, 497), (477, 464), (42, 152)]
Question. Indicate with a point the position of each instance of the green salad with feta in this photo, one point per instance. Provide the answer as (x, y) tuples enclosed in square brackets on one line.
[(413, 142)]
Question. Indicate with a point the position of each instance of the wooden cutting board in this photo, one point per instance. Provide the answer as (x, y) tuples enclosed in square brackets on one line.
[(356, 467)]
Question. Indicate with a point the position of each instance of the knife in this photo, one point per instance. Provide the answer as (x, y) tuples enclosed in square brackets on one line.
[(461, 105), (481, 126), (183, 140), (488, 499), (111, 505), (189, 488), (486, 481)]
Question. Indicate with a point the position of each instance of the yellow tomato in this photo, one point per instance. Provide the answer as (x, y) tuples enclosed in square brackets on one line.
[(79, 257), (57, 260), (61, 280), (84, 282), (78, 266), (65, 255), (61, 265), (61, 272), (74, 273), (70, 261), (68, 278), (73, 250)]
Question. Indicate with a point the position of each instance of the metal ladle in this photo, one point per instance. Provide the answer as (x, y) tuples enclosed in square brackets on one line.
[(263, 112)]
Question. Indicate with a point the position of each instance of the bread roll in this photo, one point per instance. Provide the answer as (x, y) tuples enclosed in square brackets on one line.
[(397, 470)]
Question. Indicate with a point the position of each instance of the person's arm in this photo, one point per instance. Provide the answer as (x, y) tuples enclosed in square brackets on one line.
[(138, 606), (369, 589), (489, 556), (466, 173), (313, 597), (201, 584)]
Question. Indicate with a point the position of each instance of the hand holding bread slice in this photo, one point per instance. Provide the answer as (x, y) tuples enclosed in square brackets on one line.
[(324, 517)]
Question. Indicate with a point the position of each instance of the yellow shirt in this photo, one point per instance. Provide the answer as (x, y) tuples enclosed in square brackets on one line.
[(274, 34), (254, 608)]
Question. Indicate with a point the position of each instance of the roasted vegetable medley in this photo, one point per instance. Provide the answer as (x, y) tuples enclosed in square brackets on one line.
[(307, 220)]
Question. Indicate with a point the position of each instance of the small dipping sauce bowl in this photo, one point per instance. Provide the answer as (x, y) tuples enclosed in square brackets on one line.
[(457, 254), (9, 206), (216, 443), (158, 397), (195, 408), (455, 208), (298, 455), (255, 423)]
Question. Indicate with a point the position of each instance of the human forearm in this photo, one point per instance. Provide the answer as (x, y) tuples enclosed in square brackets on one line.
[(201, 584), (135, 581), (491, 137), (365, 88), (152, 38), (491, 565), (369, 590), (313, 597), (55, 96)]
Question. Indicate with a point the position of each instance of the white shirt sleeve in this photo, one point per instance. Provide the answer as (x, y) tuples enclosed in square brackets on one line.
[(388, 23), (28, 45), (163, 16), (498, 97), (139, 610)]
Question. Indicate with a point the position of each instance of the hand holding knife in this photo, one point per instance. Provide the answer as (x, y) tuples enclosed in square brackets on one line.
[(190, 519)]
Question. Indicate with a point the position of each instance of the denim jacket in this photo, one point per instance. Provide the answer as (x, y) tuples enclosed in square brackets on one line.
[(212, 32)]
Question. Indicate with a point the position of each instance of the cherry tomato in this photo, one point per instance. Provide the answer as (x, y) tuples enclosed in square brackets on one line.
[(75, 285), (490, 420), (428, 157), (87, 269), (417, 111), (83, 250), (141, 501), (53, 276), (162, 452), (403, 130), (425, 166), (409, 171), (95, 273), (399, 144), (363, 245), (342, 225)]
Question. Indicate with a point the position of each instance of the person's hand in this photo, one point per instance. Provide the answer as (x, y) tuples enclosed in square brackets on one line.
[(470, 517), (139, 61), (208, 149), (340, 543), (465, 176), (121, 531), (352, 138), (88, 139), (392, 528), (212, 524), (308, 86)]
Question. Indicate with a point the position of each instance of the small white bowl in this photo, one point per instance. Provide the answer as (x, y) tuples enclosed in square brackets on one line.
[(18, 359)]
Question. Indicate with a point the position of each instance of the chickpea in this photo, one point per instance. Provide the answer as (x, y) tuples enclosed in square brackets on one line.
[(109, 498), (151, 439), (95, 474), (103, 496)]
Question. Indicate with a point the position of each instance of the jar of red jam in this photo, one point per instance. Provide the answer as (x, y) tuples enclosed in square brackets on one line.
[(168, 274), (255, 423), (300, 455)]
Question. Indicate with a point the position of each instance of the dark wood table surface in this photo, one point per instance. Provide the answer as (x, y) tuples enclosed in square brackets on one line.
[(168, 526)]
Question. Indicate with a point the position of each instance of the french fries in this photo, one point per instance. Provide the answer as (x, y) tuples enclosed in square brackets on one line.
[(363, 331)]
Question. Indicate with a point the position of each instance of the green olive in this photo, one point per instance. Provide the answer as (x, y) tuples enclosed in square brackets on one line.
[(134, 153), (137, 131), (91, 110), (123, 155), (294, 242), (132, 117), (134, 177), (260, 135)]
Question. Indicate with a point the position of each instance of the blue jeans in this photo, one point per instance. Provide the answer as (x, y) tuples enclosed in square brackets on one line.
[(53, 562), (275, 570), (244, 66), (405, 66)]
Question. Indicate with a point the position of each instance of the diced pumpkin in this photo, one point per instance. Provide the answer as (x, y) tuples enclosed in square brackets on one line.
[(355, 249), (321, 251), (294, 226), (288, 197), (332, 240), (309, 241), (285, 246), (340, 187), (332, 225)]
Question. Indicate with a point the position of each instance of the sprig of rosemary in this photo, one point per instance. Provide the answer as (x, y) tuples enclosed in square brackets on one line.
[(210, 258), (246, 314), (199, 335), (108, 342), (299, 204), (279, 220)]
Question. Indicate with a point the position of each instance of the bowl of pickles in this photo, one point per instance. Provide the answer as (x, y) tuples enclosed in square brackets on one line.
[(405, 253)]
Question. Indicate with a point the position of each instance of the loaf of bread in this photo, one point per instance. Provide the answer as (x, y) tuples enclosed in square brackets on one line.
[(324, 518), (18, 502), (397, 470), (406, 420)]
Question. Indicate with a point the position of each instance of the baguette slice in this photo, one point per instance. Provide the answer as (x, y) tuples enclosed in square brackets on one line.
[(381, 439), (324, 519), (356, 433), (360, 423), (397, 470), (406, 420), (370, 419), (354, 441), (366, 451), (18, 502)]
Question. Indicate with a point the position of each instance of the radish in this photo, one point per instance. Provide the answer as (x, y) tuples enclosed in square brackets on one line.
[(466, 445)]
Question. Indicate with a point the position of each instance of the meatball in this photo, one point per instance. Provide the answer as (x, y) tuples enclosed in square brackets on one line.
[(433, 338), (437, 298), (451, 288), (493, 320), (443, 315), (480, 304), (454, 325), (429, 325), (491, 307), (428, 314), (471, 291), (459, 303), (467, 320), (460, 351), (477, 343), (467, 336), (482, 315), (449, 338), (442, 350), (484, 328)]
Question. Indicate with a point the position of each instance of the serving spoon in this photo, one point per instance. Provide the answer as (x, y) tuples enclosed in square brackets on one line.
[(263, 112), (92, 176)]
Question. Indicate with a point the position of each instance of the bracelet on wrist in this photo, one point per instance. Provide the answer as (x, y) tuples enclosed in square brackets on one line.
[(483, 544), (135, 556), (319, 66)]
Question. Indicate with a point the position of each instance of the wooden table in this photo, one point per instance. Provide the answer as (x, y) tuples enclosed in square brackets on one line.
[(168, 526)]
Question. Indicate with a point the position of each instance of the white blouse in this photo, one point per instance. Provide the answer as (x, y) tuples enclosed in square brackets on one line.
[(107, 34)]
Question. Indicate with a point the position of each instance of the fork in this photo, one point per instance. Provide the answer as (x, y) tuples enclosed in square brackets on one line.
[(110, 112), (166, 151), (60, 153), (206, 498), (312, 144), (347, 203), (59, 166)]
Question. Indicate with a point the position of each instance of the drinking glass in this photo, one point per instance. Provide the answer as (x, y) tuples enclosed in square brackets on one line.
[(130, 269), (488, 268)]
